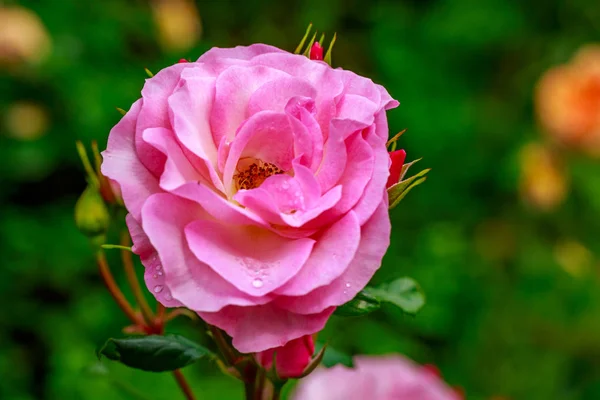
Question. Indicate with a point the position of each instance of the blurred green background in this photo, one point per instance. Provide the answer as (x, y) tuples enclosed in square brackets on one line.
[(513, 307)]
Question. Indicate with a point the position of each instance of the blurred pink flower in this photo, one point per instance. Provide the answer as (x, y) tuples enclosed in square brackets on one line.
[(256, 180), (291, 359), (375, 378)]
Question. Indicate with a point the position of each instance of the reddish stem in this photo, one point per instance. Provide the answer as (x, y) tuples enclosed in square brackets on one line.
[(182, 382)]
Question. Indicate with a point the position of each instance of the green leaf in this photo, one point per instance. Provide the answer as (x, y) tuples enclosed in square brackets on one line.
[(362, 304), (154, 353), (332, 356), (404, 293)]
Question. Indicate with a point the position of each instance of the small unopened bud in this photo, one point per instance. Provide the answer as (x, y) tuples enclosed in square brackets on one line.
[(183, 60), (291, 359), (91, 215), (397, 158), (316, 51)]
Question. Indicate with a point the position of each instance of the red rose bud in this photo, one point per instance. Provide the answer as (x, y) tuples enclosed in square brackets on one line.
[(291, 359), (183, 60), (316, 51), (397, 157), (433, 370)]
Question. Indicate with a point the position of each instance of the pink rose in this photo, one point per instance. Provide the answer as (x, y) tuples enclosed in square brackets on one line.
[(255, 184), (376, 378), (291, 359)]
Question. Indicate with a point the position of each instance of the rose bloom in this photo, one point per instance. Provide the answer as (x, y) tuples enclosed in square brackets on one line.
[(568, 101), (255, 181), (376, 378)]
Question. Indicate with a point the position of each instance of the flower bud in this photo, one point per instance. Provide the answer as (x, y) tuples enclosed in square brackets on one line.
[(291, 359), (397, 161), (316, 51), (91, 215)]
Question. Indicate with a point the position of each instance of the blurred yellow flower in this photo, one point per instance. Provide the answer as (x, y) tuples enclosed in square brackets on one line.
[(23, 37), (568, 101), (178, 23), (573, 257), (26, 121), (543, 182)]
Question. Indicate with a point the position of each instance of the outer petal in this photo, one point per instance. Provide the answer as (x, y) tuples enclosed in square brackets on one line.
[(122, 164), (331, 256), (375, 239), (192, 282), (259, 328), (254, 260), (153, 274), (154, 113), (216, 54)]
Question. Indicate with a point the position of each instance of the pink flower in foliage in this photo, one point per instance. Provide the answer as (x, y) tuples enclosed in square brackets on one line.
[(375, 378), (255, 184), (291, 360)]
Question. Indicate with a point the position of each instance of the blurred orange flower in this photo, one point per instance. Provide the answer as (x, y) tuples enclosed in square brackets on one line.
[(568, 101), (543, 182)]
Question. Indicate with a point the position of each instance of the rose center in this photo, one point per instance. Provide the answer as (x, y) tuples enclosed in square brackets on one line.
[(251, 173)]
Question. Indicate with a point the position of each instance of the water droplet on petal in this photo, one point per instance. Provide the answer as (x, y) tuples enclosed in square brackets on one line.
[(257, 283), (158, 288), (285, 185), (155, 276), (168, 297), (159, 273), (347, 285)]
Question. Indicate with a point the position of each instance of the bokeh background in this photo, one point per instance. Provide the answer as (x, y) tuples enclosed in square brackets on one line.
[(503, 236)]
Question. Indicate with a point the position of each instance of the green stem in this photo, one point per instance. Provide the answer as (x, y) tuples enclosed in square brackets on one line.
[(114, 290), (222, 344), (182, 382), (127, 260)]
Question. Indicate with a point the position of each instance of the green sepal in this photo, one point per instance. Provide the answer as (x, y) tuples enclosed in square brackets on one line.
[(399, 190), (327, 57), (301, 45)]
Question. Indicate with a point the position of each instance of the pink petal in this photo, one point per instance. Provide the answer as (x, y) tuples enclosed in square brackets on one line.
[(326, 80), (375, 189), (153, 274), (308, 138), (255, 139), (354, 113), (334, 161), (218, 206), (256, 261), (190, 106), (191, 282), (374, 241), (154, 113), (234, 87), (259, 328), (275, 95), (239, 52), (178, 171), (122, 164), (332, 254)]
